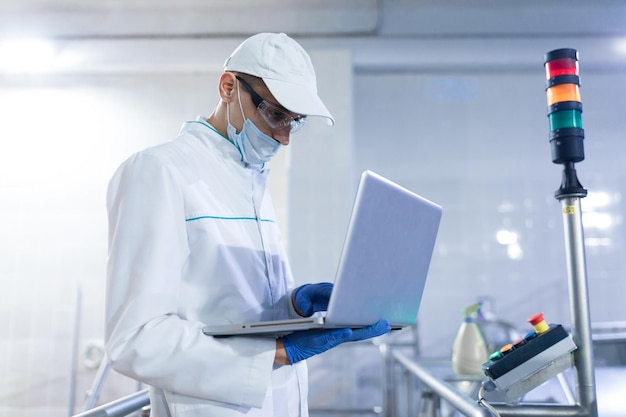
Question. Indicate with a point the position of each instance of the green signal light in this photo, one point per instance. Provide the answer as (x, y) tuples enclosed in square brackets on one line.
[(565, 119)]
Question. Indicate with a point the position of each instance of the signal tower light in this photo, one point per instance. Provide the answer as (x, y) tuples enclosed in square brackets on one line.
[(565, 116), (566, 141)]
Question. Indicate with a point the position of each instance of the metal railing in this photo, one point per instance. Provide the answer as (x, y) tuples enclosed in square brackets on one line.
[(435, 390), (121, 407)]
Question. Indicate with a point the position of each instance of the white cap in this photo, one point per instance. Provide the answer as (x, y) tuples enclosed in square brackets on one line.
[(286, 69)]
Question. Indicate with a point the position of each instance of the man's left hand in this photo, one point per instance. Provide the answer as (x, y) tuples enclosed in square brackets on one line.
[(309, 298)]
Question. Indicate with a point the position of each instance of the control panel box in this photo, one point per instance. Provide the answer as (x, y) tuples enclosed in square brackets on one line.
[(525, 364)]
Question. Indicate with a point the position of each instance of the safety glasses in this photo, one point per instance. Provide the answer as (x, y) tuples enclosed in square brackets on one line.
[(275, 117)]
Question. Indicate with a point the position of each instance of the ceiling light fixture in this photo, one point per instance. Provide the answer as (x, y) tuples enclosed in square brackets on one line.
[(26, 55)]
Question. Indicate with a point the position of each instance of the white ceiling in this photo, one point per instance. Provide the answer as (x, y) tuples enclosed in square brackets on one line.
[(189, 18), (205, 18), (173, 35)]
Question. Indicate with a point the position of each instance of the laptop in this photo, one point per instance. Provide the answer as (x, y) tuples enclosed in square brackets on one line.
[(383, 265)]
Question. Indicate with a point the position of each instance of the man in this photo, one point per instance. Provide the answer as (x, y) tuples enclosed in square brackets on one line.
[(193, 241)]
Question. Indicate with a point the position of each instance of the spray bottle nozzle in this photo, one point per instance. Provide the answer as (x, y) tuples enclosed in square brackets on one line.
[(472, 311)]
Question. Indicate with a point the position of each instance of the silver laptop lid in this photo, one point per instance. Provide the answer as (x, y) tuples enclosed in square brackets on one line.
[(386, 255)]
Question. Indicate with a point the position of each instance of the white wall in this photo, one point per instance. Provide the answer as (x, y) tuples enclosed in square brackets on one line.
[(477, 143), (322, 183), (62, 139)]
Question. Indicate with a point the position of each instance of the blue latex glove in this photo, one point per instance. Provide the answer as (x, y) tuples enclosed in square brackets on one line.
[(309, 298), (303, 345)]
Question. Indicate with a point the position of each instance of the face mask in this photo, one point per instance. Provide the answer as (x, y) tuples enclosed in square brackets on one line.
[(255, 146)]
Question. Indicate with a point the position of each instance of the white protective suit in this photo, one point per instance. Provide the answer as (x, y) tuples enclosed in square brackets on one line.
[(193, 240)]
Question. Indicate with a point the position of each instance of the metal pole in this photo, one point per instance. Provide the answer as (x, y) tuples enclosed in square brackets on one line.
[(410, 395), (567, 148), (74, 359), (531, 410), (94, 392), (457, 399), (119, 408), (388, 382), (567, 391), (579, 304)]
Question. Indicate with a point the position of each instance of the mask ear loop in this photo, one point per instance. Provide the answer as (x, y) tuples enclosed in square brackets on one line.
[(239, 99), (240, 106)]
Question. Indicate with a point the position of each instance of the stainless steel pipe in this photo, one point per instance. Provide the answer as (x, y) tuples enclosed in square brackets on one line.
[(119, 408), (459, 400), (531, 410), (579, 304)]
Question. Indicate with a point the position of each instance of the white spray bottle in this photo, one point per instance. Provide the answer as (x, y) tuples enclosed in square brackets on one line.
[(469, 350)]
